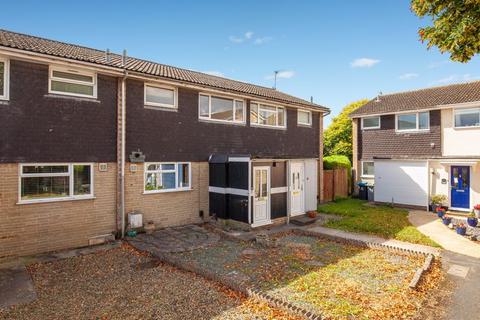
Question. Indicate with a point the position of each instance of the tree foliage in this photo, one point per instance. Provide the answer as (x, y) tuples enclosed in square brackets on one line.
[(338, 136), (455, 29)]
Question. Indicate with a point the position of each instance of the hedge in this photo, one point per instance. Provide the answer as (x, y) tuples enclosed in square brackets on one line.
[(336, 161)]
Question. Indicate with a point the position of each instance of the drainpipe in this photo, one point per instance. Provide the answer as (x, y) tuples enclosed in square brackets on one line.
[(288, 191), (122, 156), (249, 191)]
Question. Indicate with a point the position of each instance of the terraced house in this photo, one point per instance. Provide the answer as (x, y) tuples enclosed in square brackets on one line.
[(88, 136), (413, 145)]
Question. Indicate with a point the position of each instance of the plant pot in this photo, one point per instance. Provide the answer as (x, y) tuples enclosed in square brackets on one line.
[(472, 222), (312, 214), (477, 213), (434, 207), (440, 213), (461, 230), (446, 221), (149, 228)]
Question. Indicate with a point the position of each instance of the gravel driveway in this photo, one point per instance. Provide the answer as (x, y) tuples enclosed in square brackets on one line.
[(123, 284)]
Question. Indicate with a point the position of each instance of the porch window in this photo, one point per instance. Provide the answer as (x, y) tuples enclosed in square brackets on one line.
[(371, 123), (465, 118), (304, 117), (167, 176), (4, 77), (72, 82), (267, 115), (55, 182), (222, 109), (160, 96), (413, 121), (368, 169)]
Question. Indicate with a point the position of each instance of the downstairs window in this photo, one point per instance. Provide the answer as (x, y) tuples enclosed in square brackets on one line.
[(167, 176)]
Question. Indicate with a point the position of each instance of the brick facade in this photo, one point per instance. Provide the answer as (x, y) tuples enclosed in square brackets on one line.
[(32, 228)]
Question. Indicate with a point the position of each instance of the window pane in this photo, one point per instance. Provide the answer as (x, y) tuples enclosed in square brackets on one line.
[(204, 106), (72, 76), (45, 169), (371, 122), (183, 175), (239, 111), (81, 180), (153, 167), (264, 183), (222, 109), (281, 117), (160, 95), (268, 115), (424, 120), (44, 187), (72, 88), (407, 122), (304, 117), (2, 75), (168, 166), (257, 184), (467, 119), (253, 113), (160, 181), (368, 169)]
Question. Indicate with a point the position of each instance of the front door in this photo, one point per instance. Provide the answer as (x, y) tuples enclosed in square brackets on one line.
[(261, 195), (460, 183), (296, 189)]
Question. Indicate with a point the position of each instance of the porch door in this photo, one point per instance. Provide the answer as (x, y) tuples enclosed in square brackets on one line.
[(460, 191), (261, 195), (297, 189)]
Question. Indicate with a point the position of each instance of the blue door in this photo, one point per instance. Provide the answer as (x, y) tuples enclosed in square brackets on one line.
[(460, 183)]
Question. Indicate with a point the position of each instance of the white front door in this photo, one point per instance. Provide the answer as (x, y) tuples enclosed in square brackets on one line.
[(261, 196), (296, 188)]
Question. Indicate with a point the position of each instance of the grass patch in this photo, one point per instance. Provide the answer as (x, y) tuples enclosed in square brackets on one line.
[(383, 221)]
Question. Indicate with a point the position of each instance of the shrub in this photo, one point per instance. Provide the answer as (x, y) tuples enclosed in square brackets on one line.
[(336, 161)]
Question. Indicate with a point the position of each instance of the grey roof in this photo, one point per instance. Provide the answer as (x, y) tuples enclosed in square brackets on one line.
[(421, 99), (84, 54)]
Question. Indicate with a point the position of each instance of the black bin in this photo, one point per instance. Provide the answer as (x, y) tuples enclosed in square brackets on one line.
[(362, 191)]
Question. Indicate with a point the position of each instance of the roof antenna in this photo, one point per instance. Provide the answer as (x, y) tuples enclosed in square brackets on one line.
[(378, 96), (311, 99), (124, 57), (107, 55), (275, 79)]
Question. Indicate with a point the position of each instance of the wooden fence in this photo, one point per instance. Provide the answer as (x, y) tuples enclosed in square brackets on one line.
[(335, 184)]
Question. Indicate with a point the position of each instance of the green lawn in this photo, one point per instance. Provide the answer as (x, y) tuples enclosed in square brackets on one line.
[(383, 221)]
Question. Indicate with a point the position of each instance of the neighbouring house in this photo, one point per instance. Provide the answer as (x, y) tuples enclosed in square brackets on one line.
[(412, 145), (88, 136)]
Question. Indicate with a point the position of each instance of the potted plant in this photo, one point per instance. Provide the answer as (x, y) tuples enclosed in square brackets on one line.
[(461, 229), (440, 212), (446, 220), (149, 227), (437, 201), (472, 220), (312, 214), (476, 210)]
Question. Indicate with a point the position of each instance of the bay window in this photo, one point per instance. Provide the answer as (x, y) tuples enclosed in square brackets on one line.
[(167, 176), (267, 115), (55, 182), (222, 109), (72, 82), (413, 121)]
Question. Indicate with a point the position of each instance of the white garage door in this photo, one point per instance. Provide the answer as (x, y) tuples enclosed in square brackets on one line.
[(403, 182)]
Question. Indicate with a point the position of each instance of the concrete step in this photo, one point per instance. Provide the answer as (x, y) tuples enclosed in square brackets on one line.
[(303, 220)]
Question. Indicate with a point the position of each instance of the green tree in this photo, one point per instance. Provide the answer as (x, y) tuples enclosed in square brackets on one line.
[(455, 28), (338, 135)]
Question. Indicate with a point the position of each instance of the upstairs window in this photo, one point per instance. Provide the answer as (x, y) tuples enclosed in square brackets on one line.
[(304, 117), (160, 96), (167, 176), (413, 121), (4, 77), (371, 123), (465, 118), (221, 109), (73, 82), (267, 115)]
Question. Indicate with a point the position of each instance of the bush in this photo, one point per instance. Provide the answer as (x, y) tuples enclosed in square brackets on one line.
[(336, 161)]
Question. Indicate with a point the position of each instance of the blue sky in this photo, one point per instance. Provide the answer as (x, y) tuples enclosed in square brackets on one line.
[(335, 51)]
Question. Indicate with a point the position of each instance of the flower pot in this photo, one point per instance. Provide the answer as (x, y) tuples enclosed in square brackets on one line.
[(312, 214), (433, 208), (149, 228), (461, 230), (440, 213), (477, 213), (446, 221), (472, 222)]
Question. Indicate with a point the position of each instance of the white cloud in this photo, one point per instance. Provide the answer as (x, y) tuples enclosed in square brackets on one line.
[(287, 74), (408, 76), (262, 40), (437, 64), (236, 39), (248, 35), (215, 73), (453, 78), (363, 63)]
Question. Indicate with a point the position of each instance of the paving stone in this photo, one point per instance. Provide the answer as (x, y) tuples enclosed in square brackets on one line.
[(458, 270), (16, 287)]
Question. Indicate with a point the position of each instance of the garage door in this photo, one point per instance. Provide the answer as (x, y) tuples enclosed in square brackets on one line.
[(403, 182)]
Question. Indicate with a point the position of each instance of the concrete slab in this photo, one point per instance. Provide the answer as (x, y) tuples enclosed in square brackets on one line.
[(16, 287), (458, 271)]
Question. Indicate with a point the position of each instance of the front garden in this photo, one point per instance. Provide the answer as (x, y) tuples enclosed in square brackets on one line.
[(380, 220)]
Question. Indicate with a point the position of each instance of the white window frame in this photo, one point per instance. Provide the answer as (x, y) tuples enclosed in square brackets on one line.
[(177, 165), (367, 175), (309, 124), (69, 174), (259, 105), (417, 129), (234, 99), (6, 79), (372, 128), (465, 110), (75, 71), (160, 86)]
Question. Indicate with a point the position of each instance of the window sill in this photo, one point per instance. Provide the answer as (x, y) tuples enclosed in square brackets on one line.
[(412, 131), (367, 177), (467, 128), (267, 127), (167, 191), (228, 123), (4, 102), (160, 108), (68, 97), (37, 201), (375, 128), (304, 125)]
